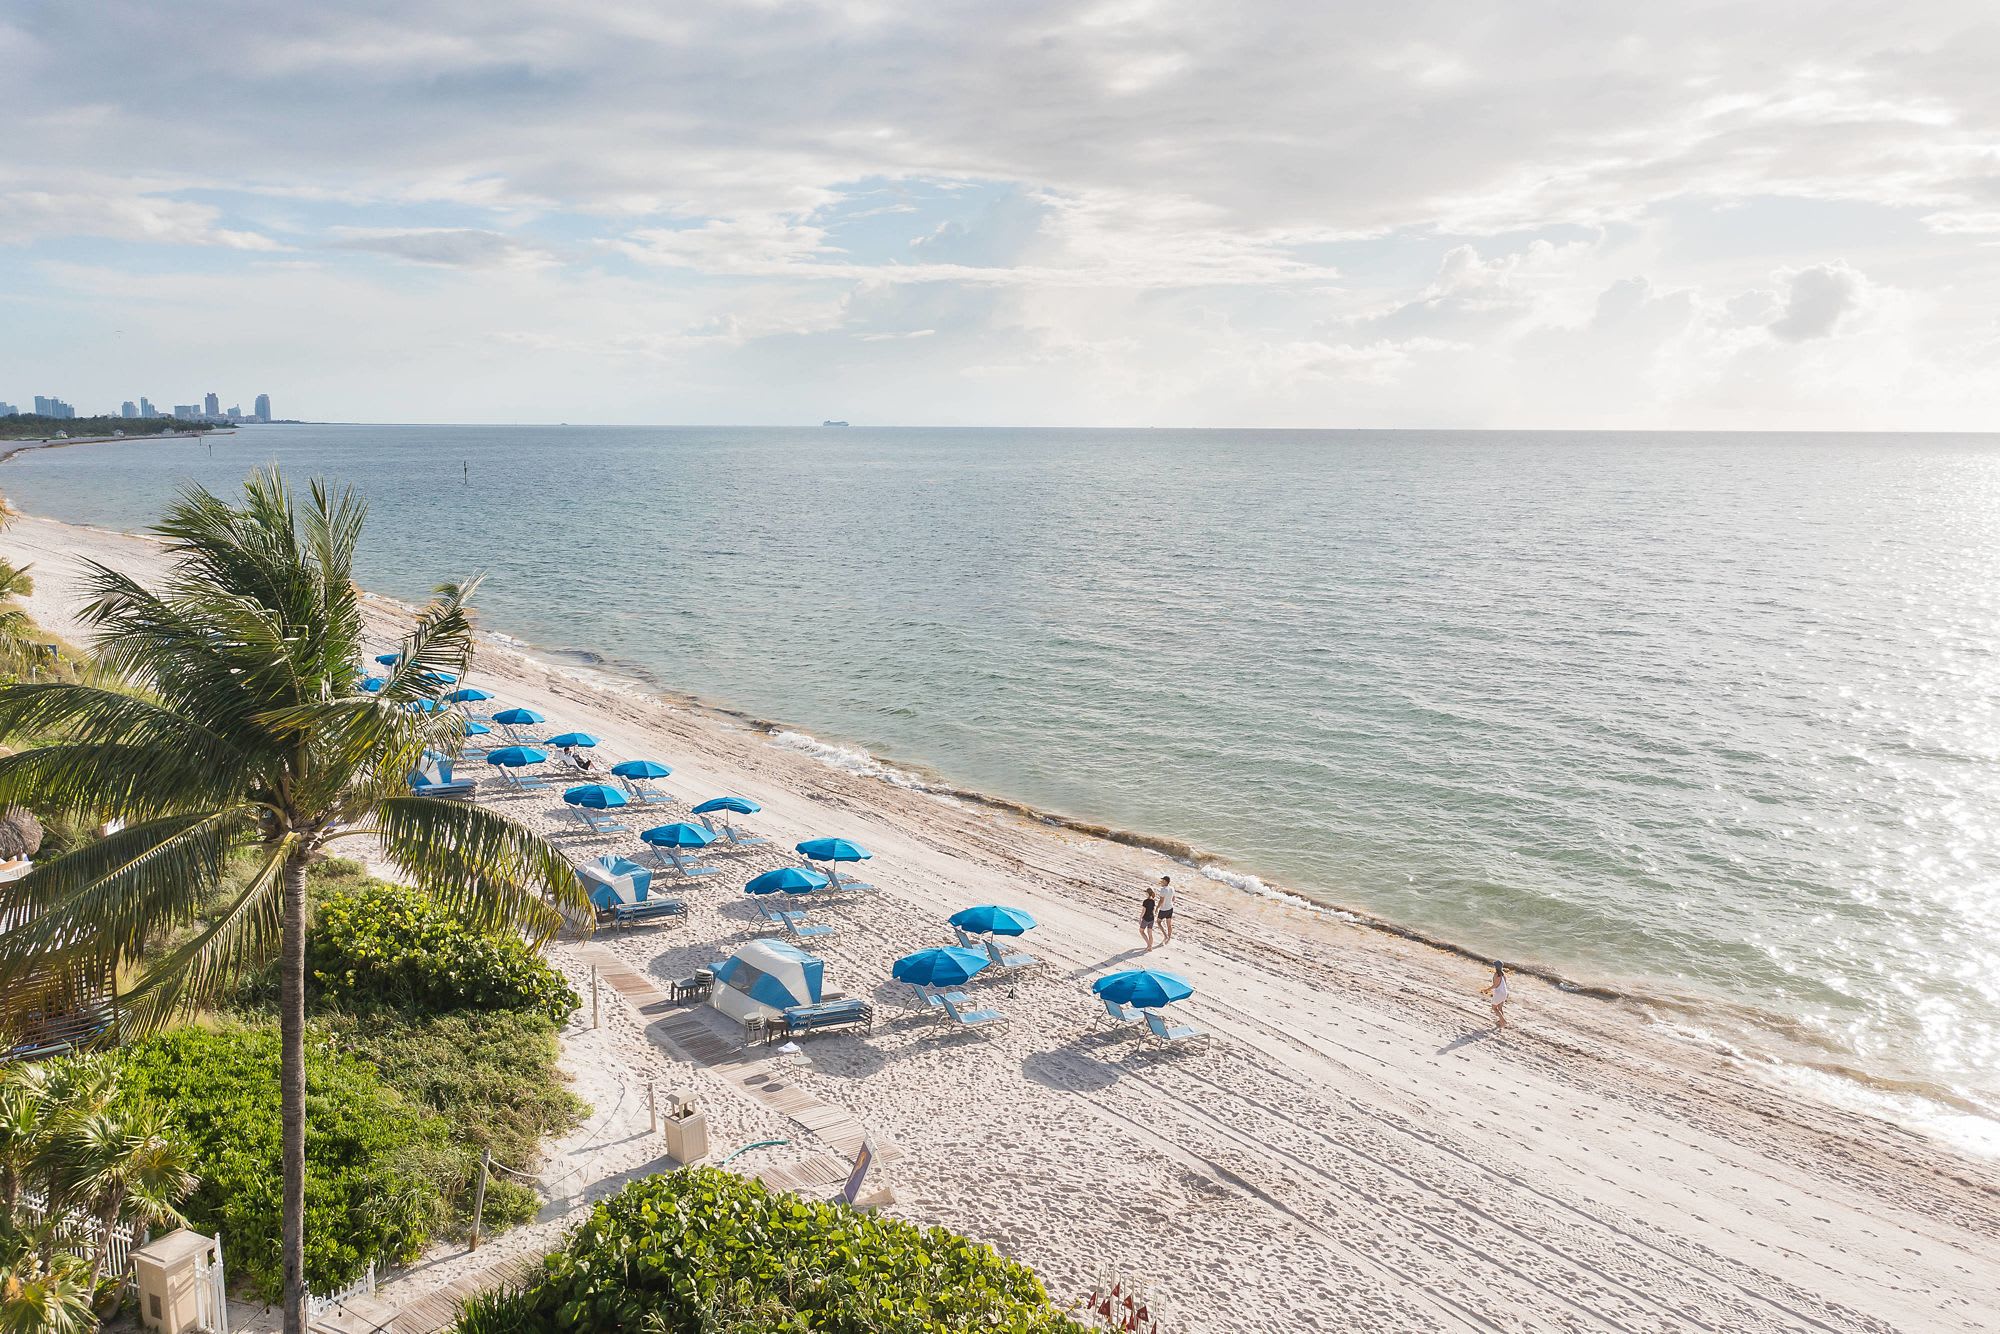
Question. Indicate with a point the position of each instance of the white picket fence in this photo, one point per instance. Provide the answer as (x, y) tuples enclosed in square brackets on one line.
[(364, 1286), (81, 1233), (80, 1236)]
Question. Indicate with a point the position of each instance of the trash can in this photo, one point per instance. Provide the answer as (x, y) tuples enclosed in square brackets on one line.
[(687, 1130)]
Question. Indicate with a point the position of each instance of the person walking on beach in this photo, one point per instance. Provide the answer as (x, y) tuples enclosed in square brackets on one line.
[(1146, 916), (1166, 912), (1496, 991)]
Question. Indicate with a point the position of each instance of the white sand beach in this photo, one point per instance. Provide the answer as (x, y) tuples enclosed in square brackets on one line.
[(1352, 1148)]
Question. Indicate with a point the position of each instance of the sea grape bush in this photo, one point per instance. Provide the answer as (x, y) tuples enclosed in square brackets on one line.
[(376, 1168), (701, 1251), (385, 944)]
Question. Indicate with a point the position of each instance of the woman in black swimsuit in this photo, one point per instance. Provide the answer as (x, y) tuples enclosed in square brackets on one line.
[(1146, 916)]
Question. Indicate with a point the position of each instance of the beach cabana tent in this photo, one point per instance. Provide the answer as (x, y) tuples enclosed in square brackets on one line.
[(764, 979)]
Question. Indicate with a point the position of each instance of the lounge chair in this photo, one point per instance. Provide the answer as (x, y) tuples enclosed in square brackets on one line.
[(848, 884), (1123, 1014), (597, 822), (829, 1014), (520, 782), (782, 916), (936, 999), (965, 942), (643, 792), (738, 839), (970, 1018), (672, 857), (436, 780), (798, 930), (1170, 1034), (652, 910), (1009, 961)]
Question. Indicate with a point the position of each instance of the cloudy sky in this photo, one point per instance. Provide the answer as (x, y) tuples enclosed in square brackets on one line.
[(1578, 213)]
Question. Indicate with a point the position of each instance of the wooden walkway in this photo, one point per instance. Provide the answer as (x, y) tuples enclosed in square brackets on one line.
[(439, 1310), (686, 1034)]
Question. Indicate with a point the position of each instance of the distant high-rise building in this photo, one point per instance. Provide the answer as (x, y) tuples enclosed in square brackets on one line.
[(211, 406), (128, 409), (235, 414), (9, 410), (263, 407), (187, 411), (146, 408), (52, 407)]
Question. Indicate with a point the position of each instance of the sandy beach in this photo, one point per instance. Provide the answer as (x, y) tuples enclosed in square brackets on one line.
[(1351, 1149)]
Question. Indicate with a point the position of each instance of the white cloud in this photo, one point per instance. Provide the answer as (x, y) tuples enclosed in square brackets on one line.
[(1820, 296), (28, 215), (1262, 211)]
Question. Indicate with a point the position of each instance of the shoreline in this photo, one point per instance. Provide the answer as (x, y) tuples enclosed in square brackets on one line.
[(1351, 1148), (1800, 1059)]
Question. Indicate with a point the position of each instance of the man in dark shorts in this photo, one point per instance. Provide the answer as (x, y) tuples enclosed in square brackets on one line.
[(1165, 914)]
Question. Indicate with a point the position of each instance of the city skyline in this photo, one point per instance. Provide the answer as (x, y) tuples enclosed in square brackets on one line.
[(208, 409)]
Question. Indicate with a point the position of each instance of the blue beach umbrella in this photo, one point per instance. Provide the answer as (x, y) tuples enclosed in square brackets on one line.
[(582, 739), (740, 805), (477, 729), (515, 757), (388, 659), (1147, 988), (372, 683), (677, 836), (518, 717), (438, 678), (787, 880), (597, 796), (946, 966), (468, 695), (833, 850), (640, 769), (994, 920)]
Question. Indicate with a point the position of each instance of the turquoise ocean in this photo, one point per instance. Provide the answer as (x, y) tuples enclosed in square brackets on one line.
[(1708, 719)]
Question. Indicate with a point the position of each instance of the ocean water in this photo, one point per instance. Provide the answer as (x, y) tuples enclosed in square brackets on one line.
[(1706, 718)]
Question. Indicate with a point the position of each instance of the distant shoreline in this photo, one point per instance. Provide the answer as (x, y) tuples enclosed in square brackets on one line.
[(111, 440)]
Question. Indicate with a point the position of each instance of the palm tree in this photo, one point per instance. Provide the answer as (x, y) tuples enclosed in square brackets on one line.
[(124, 1166), (45, 1298), (17, 628), (247, 744)]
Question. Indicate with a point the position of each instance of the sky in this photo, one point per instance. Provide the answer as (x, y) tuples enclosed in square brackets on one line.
[(1542, 214)]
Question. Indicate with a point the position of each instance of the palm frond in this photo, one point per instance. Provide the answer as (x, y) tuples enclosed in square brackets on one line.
[(88, 714), (485, 867), (89, 909), (129, 782), (236, 941)]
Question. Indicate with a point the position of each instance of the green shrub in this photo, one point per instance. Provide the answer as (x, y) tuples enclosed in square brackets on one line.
[(492, 1077), (378, 1170), (703, 1252), (385, 944)]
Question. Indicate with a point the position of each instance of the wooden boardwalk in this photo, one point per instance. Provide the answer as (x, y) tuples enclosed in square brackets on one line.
[(686, 1034)]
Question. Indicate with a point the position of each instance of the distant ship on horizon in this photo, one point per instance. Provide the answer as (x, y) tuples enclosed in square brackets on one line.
[(832, 423)]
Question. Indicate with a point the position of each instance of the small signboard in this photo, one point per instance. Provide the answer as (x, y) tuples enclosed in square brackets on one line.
[(852, 1191)]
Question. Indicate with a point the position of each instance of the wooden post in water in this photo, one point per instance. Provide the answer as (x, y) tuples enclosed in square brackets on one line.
[(479, 1194)]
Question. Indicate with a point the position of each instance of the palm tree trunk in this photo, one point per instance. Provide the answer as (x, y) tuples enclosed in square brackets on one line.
[(107, 1218), (292, 1092)]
